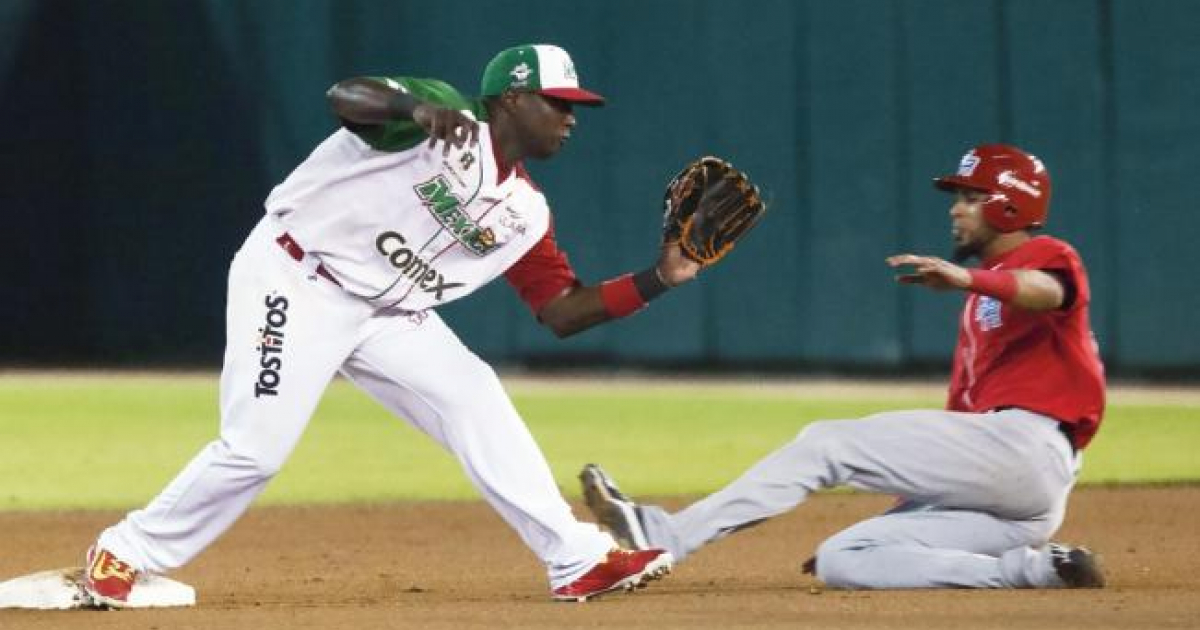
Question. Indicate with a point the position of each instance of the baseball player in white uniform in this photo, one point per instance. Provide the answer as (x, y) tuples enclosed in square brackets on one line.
[(420, 198), (982, 484)]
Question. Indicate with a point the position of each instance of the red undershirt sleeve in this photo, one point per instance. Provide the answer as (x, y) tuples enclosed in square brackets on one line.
[(542, 274)]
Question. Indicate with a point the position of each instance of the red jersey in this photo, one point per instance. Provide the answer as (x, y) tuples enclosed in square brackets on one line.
[(1046, 361)]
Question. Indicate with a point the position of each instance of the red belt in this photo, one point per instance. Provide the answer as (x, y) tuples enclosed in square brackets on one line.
[(294, 250)]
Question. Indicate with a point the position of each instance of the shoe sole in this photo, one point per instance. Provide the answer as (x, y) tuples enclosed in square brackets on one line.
[(102, 602), (613, 511), (656, 569)]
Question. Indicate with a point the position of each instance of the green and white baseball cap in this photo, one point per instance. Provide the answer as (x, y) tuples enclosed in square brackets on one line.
[(541, 68)]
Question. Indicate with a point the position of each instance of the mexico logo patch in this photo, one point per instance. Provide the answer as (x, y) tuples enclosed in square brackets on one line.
[(447, 209)]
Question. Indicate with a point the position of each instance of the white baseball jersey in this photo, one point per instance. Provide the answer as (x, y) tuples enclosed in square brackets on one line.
[(403, 225), (393, 223)]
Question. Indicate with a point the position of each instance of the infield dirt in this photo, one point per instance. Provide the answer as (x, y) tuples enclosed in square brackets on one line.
[(456, 565)]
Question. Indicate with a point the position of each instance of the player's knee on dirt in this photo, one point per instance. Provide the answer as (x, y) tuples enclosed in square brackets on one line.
[(839, 563)]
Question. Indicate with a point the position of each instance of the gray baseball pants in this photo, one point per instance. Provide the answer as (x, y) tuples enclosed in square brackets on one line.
[(980, 493)]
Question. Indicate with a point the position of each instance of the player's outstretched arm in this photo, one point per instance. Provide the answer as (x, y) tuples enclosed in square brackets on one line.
[(707, 207), (574, 311), (1029, 289), (365, 101), (583, 307)]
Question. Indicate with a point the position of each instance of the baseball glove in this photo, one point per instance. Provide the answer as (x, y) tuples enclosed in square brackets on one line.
[(707, 207)]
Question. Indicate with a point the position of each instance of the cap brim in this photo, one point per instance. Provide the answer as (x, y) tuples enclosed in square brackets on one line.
[(575, 95)]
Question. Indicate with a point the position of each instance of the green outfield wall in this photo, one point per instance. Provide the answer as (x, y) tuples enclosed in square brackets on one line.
[(141, 137)]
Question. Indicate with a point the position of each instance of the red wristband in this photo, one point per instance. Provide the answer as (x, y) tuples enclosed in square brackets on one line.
[(620, 296), (1001, 285)]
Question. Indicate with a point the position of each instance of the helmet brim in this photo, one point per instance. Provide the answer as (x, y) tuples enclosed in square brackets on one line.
[(952, 182)]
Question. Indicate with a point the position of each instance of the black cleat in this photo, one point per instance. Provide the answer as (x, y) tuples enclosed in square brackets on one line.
[(1077, 566)]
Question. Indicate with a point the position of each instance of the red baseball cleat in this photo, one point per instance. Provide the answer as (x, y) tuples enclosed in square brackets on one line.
[(620, 570), (107, 579)]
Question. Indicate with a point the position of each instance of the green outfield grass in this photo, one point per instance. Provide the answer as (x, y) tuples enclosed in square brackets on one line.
[(78, 441)]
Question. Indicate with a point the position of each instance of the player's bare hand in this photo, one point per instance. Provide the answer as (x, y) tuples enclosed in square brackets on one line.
[(674, 268), (930, 271), (451, 126)]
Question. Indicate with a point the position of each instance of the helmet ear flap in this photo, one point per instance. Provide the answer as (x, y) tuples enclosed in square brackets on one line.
[(1000, 213)]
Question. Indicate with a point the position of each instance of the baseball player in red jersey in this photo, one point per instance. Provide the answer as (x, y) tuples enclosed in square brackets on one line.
[(420, 198), (983, 484)]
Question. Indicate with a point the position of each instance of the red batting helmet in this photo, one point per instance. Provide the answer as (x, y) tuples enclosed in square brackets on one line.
[(1017, 182)]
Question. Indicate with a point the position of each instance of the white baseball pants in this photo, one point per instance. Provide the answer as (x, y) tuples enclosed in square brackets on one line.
[(979, 491), (290, 331)]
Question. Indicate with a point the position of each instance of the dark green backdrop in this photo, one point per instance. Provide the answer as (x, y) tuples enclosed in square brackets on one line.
[(139, 139)]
